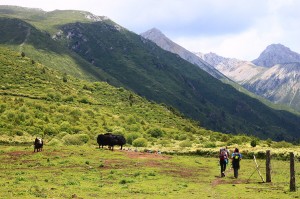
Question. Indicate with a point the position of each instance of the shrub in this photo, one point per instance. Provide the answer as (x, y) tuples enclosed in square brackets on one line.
[(55, 142), (131, 120), (69, 98), (253, 143), (77, 139), (164, 142), (140, 142), (52, 96), (61, 135), (19, 133), (65, 79), (282, 144), (131, 137), (65, 126), (181, 137), (209, 145), (234, 140), (84, 100), (156, 132), (269, 142), (225, 138), (84, 137), (185, 143), (49, 130)]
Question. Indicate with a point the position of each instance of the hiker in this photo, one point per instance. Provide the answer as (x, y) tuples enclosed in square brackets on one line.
[(223, 155), (235, 160)]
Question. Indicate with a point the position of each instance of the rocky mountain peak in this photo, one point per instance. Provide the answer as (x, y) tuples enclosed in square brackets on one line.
[(276, 54), (167, 44)]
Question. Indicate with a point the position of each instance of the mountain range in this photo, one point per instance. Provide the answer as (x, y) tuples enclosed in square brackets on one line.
[(278, 83), (95, 48), (276, 78)]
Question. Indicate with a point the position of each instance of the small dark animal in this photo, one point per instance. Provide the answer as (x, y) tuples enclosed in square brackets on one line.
[(109, 139), (38, 144)]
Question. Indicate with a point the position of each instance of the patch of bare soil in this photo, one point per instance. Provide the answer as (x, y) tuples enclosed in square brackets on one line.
[(146, 160), (234, 181), (181, 172), (140, 155), (19, 153)]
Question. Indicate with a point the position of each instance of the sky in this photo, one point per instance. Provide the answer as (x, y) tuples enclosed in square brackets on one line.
[(231, 28)]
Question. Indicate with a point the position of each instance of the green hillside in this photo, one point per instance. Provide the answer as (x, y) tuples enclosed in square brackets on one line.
[(37, 100), (103, 50)]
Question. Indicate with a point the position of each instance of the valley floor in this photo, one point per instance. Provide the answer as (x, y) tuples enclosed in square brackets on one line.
[(90, 172)]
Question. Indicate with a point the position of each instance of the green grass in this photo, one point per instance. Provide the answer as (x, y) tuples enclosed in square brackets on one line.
[(90, 172)]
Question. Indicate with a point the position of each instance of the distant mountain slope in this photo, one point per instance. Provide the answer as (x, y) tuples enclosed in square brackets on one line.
[(143, 67), (280, 84), (165, 43), (24, 37), (237, 70), (276, 54)]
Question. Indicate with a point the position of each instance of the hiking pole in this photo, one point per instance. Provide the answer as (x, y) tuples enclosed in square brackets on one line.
[(252, 173), (258, 169)]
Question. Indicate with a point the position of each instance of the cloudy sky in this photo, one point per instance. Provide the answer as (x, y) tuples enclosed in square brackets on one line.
[(231, 28)]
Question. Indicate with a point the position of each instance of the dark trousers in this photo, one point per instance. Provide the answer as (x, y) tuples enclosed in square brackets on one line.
[(236, 167), (223, 167), (236, 172)]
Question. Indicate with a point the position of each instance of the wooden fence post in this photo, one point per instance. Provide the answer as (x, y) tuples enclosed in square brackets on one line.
[(292, 172), (268, 166)]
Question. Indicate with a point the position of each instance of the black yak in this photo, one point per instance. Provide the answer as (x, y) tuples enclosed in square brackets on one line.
[(109, 139), (38, 144)]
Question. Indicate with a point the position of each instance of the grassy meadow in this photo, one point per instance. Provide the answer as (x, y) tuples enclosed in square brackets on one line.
[(89, 172), (37, 100)]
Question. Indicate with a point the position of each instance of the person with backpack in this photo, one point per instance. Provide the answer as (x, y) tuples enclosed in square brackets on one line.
[(223, 155), (235, 160)]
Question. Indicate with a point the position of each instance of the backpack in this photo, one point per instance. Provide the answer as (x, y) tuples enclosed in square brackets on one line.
[(236, 160), (223, 154), (236, 157)]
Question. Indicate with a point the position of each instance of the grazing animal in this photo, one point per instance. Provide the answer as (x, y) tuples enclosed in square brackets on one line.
[(38, 144), (110, 140)]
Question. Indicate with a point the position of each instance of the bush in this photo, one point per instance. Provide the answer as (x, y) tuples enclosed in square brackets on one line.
[(234, 140), (269, 142), (55, 142), (84, 137), (253, 143), (185, 143), (49, 130), (282, 144), (77, 139), (164, 143), (140, 142), (65, 126), (209, 145), (131, 137), (156, 132), (225, 138), (19, 133), (61, 135)]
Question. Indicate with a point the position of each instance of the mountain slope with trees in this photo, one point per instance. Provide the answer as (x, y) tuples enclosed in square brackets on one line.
[(126, 59)]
